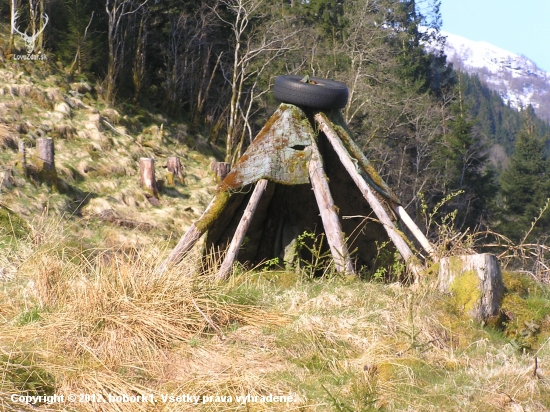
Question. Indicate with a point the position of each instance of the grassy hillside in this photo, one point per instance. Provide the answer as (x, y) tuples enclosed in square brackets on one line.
[(84, 310)]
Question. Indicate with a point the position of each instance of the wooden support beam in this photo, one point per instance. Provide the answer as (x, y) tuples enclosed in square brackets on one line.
[(415, 230), (189, 239), (368, 194), (240, 232), (331, 222)]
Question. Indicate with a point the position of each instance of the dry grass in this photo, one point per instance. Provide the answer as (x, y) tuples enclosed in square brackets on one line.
[(106, 321), (8, 137)]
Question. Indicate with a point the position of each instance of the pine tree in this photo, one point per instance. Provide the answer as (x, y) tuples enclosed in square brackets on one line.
[(525, 184), (466, 161)]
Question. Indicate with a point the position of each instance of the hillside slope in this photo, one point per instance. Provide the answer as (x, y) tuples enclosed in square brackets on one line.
[(86, 315), (97, 152)]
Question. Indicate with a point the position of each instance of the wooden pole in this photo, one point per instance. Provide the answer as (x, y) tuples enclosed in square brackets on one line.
[(365, 189), (193, 234), (331, 222), (175, 169), (415, 230), (240, 232), (147, 176)]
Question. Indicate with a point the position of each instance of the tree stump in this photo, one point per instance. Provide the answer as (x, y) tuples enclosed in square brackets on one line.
[(45, 168), (220, 169), (174, 170), (147, 177), (475, 282), (6, 179)]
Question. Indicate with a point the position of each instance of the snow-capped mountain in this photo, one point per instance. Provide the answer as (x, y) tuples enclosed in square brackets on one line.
[(517, 79)]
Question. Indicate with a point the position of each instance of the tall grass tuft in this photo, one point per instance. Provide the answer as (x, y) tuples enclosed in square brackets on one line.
[(107, 321)]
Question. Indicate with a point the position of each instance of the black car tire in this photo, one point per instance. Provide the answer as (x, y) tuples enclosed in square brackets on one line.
[(322, 94)]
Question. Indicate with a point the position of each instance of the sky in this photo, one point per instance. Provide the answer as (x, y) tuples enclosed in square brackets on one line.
[(518, 26)]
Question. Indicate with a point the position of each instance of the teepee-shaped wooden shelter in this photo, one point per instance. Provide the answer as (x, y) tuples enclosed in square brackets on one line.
[(303, 172)]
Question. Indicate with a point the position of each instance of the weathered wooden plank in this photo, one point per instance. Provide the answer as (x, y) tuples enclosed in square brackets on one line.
[(240, 232), (327, 208), (277, 153), (368, 194)]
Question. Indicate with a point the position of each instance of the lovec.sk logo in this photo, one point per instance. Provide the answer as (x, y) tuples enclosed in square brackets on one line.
[(30, 40)]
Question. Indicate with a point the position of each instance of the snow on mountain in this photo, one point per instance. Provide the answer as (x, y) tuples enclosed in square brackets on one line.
[(517, 79)]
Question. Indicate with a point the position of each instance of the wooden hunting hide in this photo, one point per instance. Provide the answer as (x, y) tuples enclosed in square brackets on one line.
[(282, 154)]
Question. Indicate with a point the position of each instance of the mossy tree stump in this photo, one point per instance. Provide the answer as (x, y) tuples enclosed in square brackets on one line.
[(174, 170), (475, 282), (220, 169)]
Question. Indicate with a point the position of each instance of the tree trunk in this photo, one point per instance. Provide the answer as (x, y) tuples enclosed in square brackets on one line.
[(331, 222), (475, 281), (240, 232), (147, 177), (220, 169), (13, 10), (174, 169), (46, 163)]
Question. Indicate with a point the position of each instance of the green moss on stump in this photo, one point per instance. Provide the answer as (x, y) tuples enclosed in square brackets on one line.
[(465, 290)]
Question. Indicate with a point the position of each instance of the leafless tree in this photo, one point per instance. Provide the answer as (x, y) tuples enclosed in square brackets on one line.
[(117, 12), (251, 43)]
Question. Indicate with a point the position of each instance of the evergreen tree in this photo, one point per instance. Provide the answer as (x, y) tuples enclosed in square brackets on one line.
[(525, 184), (466, 160)]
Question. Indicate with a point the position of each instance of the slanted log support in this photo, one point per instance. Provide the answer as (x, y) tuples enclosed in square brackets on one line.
[(197, 229), (327, 208), (368, 194), (240, 232), (415, 230)]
